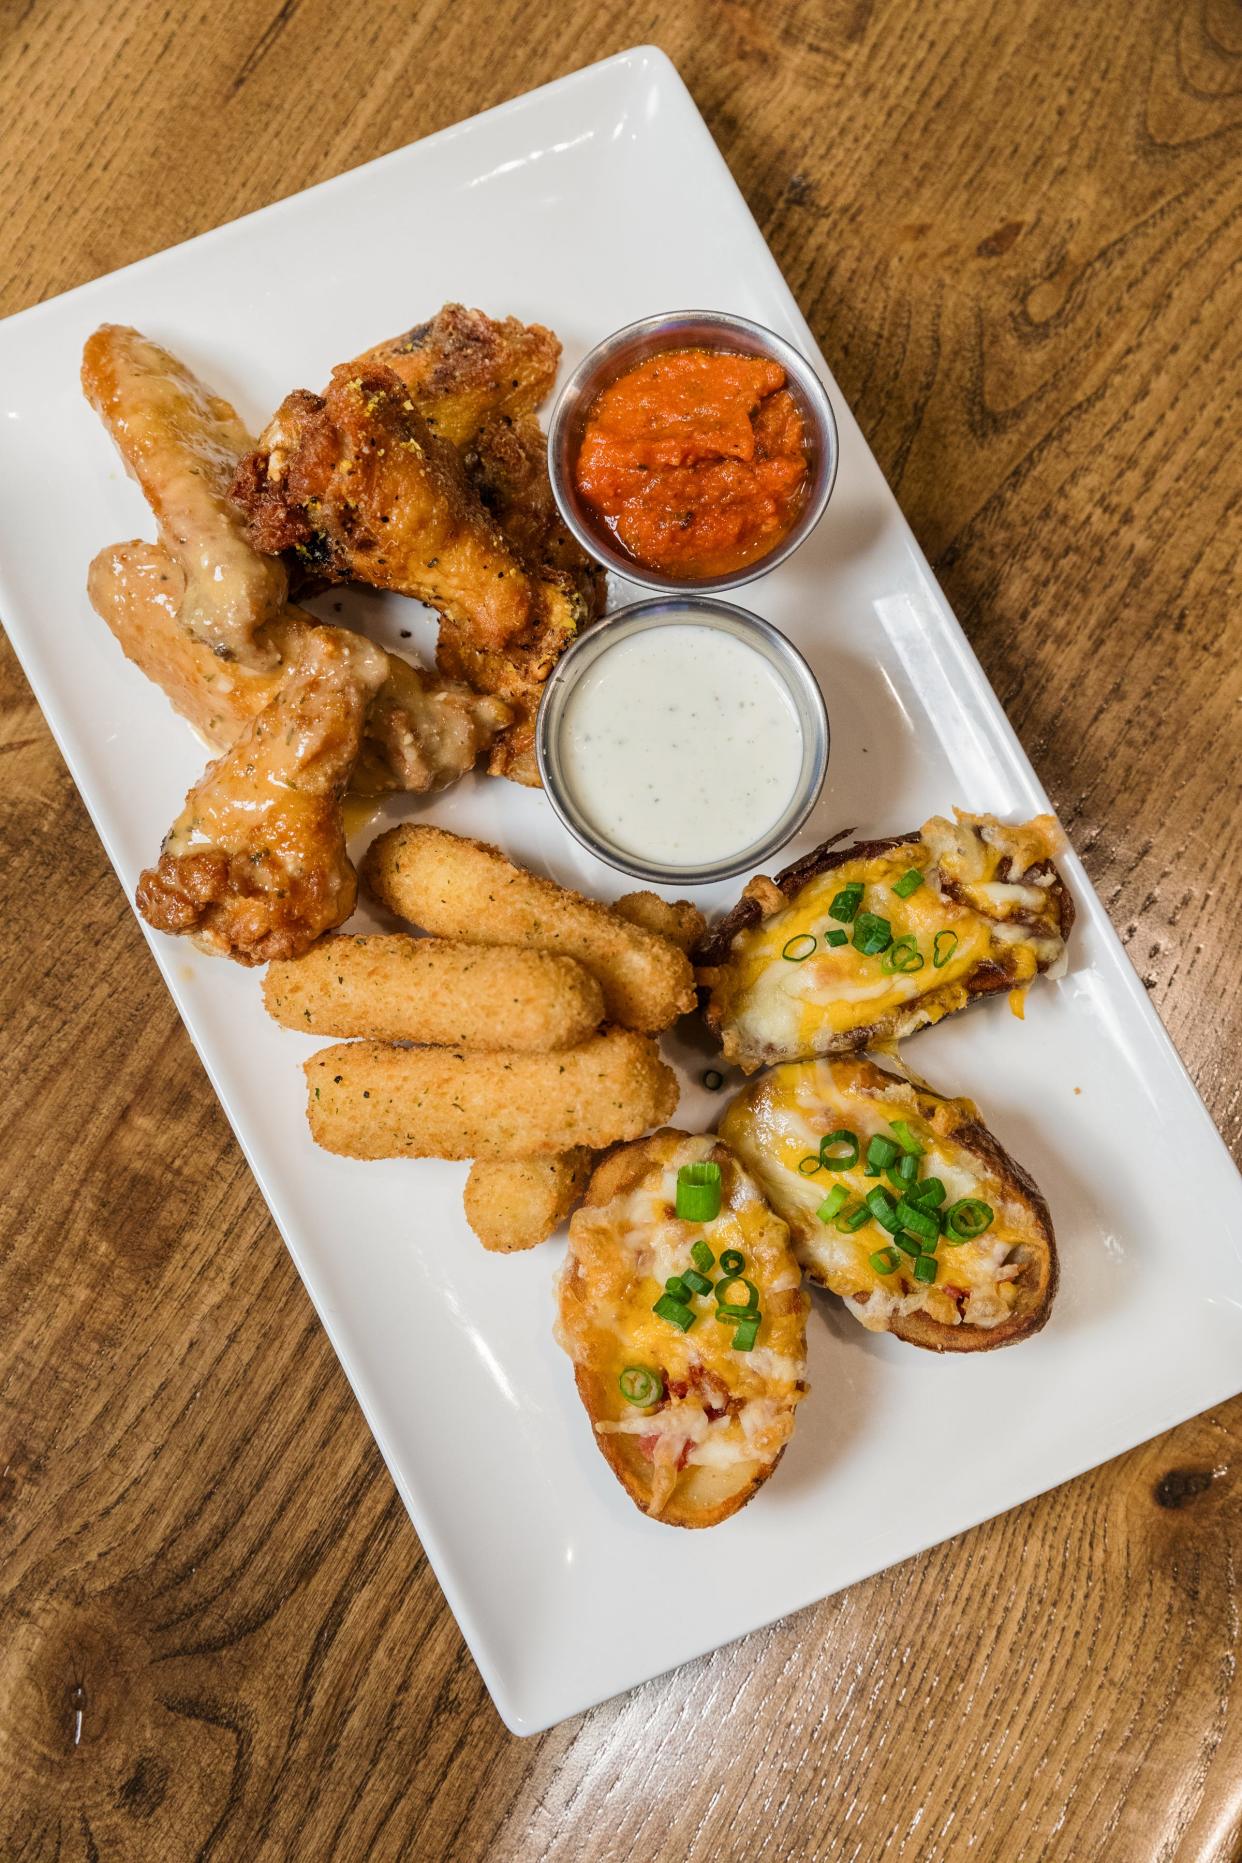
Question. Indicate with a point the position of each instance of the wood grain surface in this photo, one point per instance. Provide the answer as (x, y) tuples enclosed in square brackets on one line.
[(1014, 226)]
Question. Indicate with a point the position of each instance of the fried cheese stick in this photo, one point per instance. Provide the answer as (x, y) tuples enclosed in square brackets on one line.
[(368, 1100), (435, 991), (515, 1205), (454, 887), (677, 920)]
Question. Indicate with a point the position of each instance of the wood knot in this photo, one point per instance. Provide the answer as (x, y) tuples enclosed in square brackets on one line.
[(1182, 1485), (999, 242)]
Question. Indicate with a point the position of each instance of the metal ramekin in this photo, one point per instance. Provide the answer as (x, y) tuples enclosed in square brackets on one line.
[(795, 675), (687, 330)]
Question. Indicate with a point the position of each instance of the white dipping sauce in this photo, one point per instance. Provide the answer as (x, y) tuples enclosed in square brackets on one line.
[(681, 744)]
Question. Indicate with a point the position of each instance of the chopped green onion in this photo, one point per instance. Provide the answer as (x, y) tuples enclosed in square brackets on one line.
[(906, 1138), (968, 1218), (676, 1312), (732, 1261), (698, 1192), (702, 1257), (908, 883), (846, 902), (882, 1152), (943, 947), (883, 1209), (745, 1335), (808, 1165), (725, 1305), (919, 1223), (926, 1268), (907, 1168), (676, 1286), (885, 1260), (835, 938), (641, 1386), (699, 1283), (928, 1193), (799, 949), (838, 1150), (902, 956), (872, 934), (850, 1220), (713, 1080), (910, 1245), (833, 1203)]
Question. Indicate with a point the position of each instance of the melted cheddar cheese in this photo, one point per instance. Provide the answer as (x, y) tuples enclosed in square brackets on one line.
[(769, 1006), (720, 1408), (780, 1120)]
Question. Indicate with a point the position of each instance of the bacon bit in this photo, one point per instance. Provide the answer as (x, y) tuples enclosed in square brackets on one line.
[(648, 1446), (959, 1294)]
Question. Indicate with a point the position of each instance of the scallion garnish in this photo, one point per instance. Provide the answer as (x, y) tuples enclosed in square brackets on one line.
[(676, 1312), (850, 1220), (919, 1222), (702, 1257), (926, 1268), (883, 1209), (639, 1385), (882, 1152), (798, 949), (846, 903), (943, 946), (906, 1138), (908, 883), (808, 1165), (698, 1192), (833, 1203), (968, 1218), (838, 1151), (872, 934), (885, 1260), (928, 1193), (676, 1286), (745, 1335), (699, 1283), (732, 1261), (903, 956), (732, 1308), (909, 1245), (713, 1080), (835, 938)]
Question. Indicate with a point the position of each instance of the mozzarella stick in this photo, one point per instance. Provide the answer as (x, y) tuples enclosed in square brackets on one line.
[(458, 888), (677, 920), (514, 1205), (368, 1100), (429, 990)]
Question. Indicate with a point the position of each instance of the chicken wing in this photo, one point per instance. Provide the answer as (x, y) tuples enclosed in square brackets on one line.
[(255, 867), (462, 366), (421, 732), (182, 442)]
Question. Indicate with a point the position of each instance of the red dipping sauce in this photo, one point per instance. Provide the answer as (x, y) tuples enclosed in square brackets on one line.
[(696, 460)]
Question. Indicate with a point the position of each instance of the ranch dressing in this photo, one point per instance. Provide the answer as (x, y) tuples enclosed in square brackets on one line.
[(681, 745)]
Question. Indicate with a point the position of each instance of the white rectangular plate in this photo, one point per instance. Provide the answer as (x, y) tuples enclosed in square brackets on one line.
[(592, 202)]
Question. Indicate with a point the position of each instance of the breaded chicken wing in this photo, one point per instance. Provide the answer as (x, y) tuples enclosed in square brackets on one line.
[(182, 442), (255, 867), (462, 367)]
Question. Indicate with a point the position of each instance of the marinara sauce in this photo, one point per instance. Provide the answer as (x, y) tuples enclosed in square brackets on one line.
[(696, 460)]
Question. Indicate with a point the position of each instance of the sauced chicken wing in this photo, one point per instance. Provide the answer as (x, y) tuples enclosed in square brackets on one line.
[(462, 367), (181, 442), (255, 866)]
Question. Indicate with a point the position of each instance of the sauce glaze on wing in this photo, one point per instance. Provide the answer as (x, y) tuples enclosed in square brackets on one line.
[(725, 1416), (988, 1291), (991, 912)]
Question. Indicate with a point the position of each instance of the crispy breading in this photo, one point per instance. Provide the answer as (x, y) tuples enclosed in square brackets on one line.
[(458, 888), (518, 1204), (433, 990), (676, 919), (182, 442), (462, 367), (255, 866), (369, 1100)]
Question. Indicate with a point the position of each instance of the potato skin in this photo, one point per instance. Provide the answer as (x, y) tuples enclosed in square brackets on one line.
[(703, 1495), (369, 1100), (519, 1203), (458, 888), (398, 988)]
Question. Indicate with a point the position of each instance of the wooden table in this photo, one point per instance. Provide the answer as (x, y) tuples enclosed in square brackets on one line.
[(1014, 230)]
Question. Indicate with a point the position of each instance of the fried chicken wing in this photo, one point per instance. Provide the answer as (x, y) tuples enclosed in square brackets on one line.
[(181, 443), (255, 867), (462, 367)]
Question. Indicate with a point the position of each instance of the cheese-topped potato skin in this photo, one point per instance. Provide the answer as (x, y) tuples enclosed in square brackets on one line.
[(724, 1417), (991, 912), (988, 1292)]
